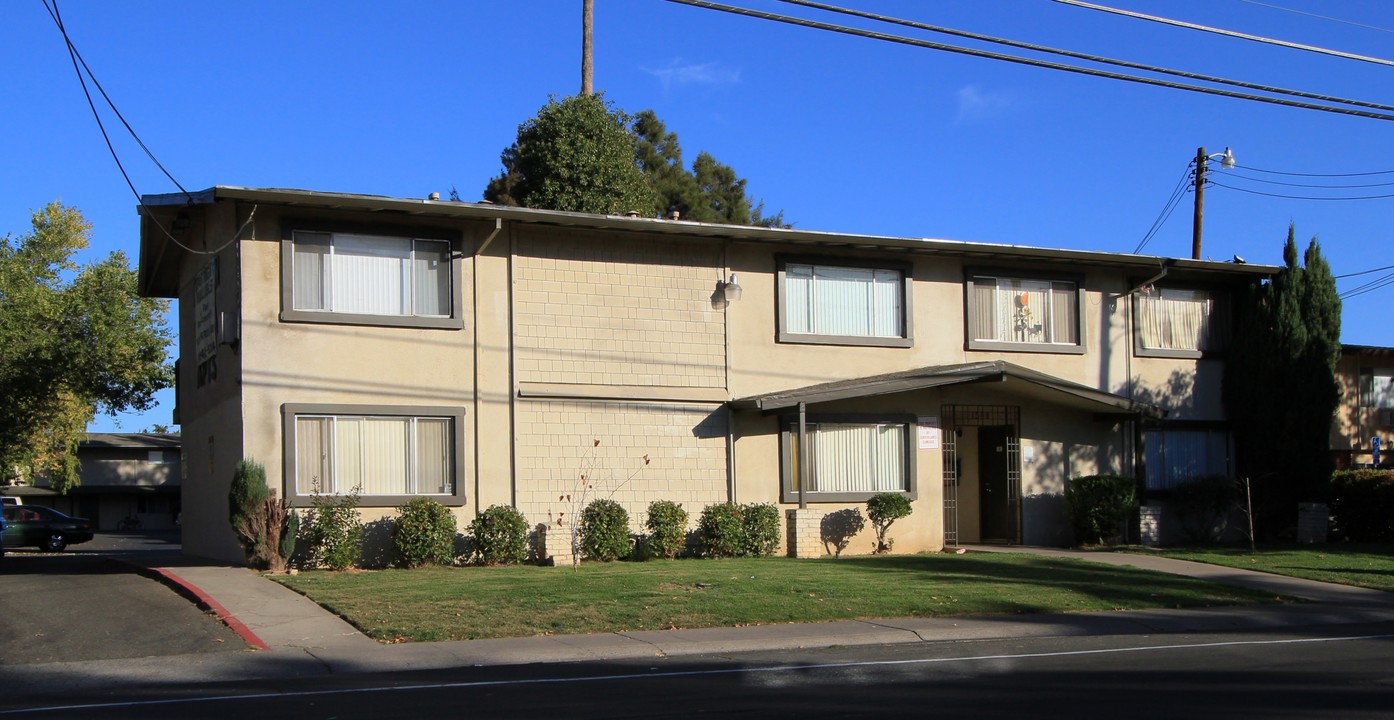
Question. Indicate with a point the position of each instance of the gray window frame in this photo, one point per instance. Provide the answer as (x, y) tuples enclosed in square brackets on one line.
[(907, 284), (970, 311), (290, 411), (455, 321), (789, 426)]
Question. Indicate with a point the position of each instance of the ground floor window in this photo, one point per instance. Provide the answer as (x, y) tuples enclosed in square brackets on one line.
[(1176, 456), (381, 455), (849, 459)]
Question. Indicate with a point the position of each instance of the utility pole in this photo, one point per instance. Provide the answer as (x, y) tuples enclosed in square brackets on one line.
[(1201, 159), (587, 30)]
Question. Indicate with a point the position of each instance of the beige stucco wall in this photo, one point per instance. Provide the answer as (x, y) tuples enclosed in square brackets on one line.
[(1354, 426)]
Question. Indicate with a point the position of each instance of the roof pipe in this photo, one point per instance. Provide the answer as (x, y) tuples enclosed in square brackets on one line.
[(1150, 280), (498, 226)]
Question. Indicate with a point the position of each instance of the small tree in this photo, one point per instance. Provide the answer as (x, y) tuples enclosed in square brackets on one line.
[(884, 509), (424, 533), (265, 526)]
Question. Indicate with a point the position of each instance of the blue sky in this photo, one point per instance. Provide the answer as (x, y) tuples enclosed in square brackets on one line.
[(842, 133)]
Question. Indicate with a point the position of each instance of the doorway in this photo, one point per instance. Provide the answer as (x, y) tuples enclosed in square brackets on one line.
[(994, 492), (982, 474)]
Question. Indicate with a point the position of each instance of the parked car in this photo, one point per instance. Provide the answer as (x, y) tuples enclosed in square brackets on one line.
[(43, 528)]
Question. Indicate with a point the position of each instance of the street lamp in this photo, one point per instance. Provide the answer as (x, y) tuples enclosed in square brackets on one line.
[(1226, 159)]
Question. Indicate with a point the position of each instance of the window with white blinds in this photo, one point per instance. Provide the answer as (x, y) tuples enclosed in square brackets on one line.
[(1178, 319), (371, 275), (1019, 310), (373, 455), (850, 460), (843, 302), (1176, 457)]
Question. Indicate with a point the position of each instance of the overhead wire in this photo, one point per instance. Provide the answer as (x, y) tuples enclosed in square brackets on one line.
[(1364, 272), (898, 39), (1173, 200), (1296, 197), (1369, 287), (1298, 174), (1229, 33), (1083, 56), (1319, 17), (1241, 176), (79, 66)]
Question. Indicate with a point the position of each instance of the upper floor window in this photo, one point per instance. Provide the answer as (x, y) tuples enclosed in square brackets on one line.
[(844, 304), (369, 280), (1377, 387), (1017, 313), (1178, 322)]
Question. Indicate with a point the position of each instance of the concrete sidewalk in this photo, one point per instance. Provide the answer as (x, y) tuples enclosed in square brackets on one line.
[(301, 639)]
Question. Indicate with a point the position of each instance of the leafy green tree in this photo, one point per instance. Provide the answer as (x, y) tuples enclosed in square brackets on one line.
[(1280, 385), (577, 155), (569, 157), (73, 340)]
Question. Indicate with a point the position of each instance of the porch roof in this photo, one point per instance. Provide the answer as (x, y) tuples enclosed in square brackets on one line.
[(1017, 379)]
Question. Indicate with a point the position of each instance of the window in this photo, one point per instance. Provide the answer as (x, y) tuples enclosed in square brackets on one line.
[(1014, 313), (1174, 322), (848, 305), (850, 461), (1377, 388), (368, 279), (1175, 457), (386, 455)]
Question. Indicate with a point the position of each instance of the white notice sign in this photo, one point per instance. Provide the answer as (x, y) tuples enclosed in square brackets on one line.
[(928, 433)]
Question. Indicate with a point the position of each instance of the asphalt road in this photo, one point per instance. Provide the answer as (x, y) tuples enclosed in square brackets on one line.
[(76, 605), (1342, 673)]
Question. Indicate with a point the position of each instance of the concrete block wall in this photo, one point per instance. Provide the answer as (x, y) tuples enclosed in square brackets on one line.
[(686, 446), (805, 533), (618, 312)]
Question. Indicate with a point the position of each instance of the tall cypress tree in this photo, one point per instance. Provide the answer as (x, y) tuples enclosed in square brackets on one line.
[(1280, 385)]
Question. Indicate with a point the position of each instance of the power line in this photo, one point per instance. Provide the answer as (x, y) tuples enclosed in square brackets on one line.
[(1241, 176), (1177, 193), (1026, 61), (1229, 33), (1332, 175), (1369, 287), (1364, 272), (1320, 17), (1084, 56), (1299, 197)]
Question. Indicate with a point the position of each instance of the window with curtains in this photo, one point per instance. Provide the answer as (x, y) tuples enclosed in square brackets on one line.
[(1178, 456), (1377, 387), (1023, 313), (835, 304), (361, 278), (375, 455), (849, 461), (1178, 322)]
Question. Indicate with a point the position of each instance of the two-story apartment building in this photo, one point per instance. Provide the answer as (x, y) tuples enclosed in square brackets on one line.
[(489, 355), (1364, 424)]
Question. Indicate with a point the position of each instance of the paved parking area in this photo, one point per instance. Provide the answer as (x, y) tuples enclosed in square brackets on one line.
[(78, 605)]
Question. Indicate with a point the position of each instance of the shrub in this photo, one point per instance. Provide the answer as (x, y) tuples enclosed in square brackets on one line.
[(1362, 505), (667, 526), (884, 509), (1203, 507), (1098, 506), (424, 533), (333, 532), (719, 531), (500, 536), (603, 532), (759, 529), (265, 526)]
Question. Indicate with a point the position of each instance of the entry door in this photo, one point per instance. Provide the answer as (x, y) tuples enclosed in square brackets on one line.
[(994, 484)]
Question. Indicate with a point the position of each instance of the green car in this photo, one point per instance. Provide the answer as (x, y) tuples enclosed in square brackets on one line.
[(43, 528)]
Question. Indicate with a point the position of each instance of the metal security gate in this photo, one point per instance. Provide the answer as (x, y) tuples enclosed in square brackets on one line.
[(957, 417)]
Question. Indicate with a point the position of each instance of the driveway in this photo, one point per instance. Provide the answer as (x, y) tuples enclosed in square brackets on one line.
[(79, 605)]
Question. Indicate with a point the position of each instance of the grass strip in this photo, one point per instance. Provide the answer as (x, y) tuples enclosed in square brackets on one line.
[(455, 603), (1361, 565)]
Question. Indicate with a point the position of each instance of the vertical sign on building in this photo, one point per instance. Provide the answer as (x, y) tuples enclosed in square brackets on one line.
[(206, 322), (928, 433)]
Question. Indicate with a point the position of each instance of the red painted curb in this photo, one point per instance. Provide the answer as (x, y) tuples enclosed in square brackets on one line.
[(203, 599)]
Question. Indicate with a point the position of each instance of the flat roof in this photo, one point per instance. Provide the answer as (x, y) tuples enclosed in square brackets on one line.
[(155, 245), (152, 441)]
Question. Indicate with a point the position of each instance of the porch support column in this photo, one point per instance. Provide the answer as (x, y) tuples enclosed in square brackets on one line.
[(803, 454)]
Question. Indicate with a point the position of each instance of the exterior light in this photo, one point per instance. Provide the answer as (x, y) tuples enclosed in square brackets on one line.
[(732, 289)]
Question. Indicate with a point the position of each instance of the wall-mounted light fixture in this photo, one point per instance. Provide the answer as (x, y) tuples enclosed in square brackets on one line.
[(731, 289)]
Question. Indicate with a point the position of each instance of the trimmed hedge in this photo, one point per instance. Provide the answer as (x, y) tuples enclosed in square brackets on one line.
[(499, 536), (667, 526), (604, 531), (729, 530), (424, 533), (1099, 506), (1362, 505)]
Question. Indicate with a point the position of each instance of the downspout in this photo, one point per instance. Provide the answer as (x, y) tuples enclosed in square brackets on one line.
[(803, 454), (731, 455)]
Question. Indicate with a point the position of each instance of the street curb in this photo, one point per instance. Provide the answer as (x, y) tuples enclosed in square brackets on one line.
[(199, 597)]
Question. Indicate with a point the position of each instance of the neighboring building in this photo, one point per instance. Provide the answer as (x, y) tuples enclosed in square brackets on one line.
[(1366, 412), (477, 354), (123, 475)]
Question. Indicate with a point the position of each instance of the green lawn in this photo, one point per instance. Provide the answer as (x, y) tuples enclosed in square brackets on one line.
[(1370, 566), (447, 603)]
